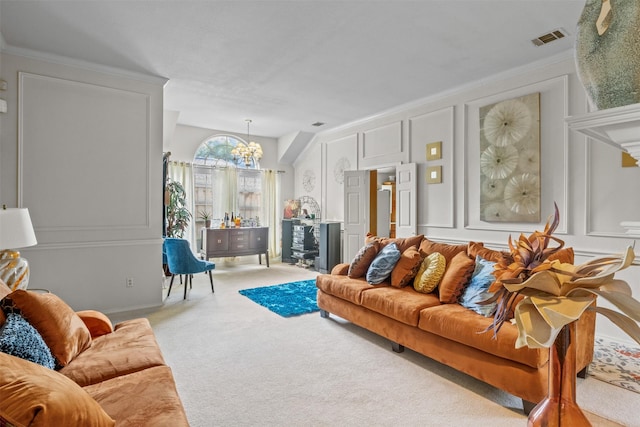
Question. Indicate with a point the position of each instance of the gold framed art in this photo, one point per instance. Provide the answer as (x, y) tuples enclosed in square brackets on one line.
[(434, 150), (434, 175)]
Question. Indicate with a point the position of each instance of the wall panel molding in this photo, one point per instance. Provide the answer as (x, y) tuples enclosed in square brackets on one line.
[(554, 107), (73, 138), (381, 146)]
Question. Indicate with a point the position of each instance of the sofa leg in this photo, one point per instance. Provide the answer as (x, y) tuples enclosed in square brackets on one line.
[(583, 373), (324, 314), (527, 406), (398, 348)]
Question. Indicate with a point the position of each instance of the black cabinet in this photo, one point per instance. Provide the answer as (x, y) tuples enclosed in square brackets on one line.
[(287, 239), (304, 247), (330, 243)]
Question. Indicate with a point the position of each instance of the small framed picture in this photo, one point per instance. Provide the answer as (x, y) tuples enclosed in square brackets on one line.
[(434, 150), (434, 174)]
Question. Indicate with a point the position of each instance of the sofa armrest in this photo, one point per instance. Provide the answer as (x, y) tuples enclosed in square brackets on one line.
[(340, 269), (97, 322)]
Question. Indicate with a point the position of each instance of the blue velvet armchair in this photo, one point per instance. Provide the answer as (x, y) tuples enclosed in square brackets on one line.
[(181, 260)]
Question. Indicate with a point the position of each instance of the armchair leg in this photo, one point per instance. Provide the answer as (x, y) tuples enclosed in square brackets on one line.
[(186, 283), (211, 280), (170, 285)]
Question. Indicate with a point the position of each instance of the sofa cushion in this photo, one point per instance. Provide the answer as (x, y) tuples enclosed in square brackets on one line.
[(477, 290), (361, 262), (456, 277), (18, 338), (143, 398), (131, 347), (401, 304), (97, 323), (459, 324), (406, 268), (343, 287), (431, 272), (383, 264), (427, 247), (61, 328), (33, 395), (403, 243)]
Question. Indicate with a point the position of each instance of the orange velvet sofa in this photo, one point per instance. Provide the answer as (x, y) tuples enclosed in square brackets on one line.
[(446, 331), (104, 375)]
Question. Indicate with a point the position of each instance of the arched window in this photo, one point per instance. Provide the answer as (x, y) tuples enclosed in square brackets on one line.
[(225, 183), (218, 152)]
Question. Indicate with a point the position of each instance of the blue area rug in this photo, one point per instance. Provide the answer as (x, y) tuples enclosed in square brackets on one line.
[(287, 299)]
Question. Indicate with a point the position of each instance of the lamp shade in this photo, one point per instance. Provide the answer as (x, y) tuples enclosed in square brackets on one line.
[(16, 230)]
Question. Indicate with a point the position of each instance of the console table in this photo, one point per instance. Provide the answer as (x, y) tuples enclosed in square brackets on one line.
[(227, 242)]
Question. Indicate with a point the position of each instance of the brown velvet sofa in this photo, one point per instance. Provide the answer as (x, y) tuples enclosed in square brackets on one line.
[(105, 375), (446, 331)]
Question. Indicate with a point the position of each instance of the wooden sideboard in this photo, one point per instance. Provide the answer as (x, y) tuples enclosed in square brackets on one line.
[(228, 242)]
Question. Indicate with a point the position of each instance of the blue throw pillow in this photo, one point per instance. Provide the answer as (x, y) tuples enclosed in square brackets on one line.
[(382, 265), (478, 288), (18, 338)]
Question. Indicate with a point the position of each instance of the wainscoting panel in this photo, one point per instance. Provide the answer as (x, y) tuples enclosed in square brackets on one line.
[(436, 202), (341, 155), (381, 146), (554, 155), (73, 140)]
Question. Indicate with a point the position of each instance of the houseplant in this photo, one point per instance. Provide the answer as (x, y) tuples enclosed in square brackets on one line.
[(206, 217), (178, 216), (554, 296)]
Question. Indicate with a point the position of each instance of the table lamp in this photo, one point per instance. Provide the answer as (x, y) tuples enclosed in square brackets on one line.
[(16, 231)]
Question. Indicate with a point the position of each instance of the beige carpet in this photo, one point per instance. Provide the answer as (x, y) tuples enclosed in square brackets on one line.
[(238, 364)]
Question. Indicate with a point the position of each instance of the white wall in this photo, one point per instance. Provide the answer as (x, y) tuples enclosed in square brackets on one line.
[(594, 193), (81, 147)]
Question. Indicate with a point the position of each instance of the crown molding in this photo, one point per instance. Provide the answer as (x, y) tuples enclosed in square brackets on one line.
[(78, 63)]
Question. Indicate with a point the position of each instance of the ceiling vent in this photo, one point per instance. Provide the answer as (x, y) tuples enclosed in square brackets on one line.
[(317, 124), (549, 37)]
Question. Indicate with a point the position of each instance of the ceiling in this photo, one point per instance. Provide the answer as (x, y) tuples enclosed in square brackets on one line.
[(288, 64)]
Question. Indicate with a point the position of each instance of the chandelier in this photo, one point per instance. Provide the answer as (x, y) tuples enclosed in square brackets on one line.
[(249, 152)]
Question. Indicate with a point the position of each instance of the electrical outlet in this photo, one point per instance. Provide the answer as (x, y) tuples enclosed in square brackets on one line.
[(129, 282)]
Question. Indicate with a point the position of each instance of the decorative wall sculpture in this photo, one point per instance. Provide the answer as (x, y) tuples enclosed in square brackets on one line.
[(510, 160)]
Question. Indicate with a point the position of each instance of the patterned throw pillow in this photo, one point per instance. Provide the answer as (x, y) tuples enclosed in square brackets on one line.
[(478, 288), (383, 264), (432, 269), (18, 338), (363, 259)]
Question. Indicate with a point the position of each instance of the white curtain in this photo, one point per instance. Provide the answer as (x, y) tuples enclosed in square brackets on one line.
[(270, 211), (181, 172)]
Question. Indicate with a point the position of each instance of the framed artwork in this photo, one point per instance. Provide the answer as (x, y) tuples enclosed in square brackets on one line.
[(434, 150), (434, 175), (510, 160)]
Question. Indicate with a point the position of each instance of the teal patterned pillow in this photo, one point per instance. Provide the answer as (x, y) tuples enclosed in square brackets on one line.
[(382, 266), (18, 338), (478, 288)]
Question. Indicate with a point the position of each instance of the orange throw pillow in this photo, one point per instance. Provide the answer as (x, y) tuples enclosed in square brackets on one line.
[(406, 268), (456, 277), (403, 243), (363, 260), (476, 249), (61, 328), (33, 395), (427, 247)]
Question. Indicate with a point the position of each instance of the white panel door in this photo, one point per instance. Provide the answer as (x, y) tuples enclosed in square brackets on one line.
[(356, 209), (406, 200)]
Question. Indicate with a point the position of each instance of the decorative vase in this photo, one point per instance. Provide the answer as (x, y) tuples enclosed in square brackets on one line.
[(559, 408), (608, 52)]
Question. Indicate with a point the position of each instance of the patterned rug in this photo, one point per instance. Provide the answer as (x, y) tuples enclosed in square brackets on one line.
[(616, 364), (287, 299)]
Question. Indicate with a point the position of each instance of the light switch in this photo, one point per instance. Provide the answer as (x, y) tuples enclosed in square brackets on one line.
[(3, 106)]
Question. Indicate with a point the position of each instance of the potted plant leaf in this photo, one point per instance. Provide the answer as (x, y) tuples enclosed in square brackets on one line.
[(178, 216)]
